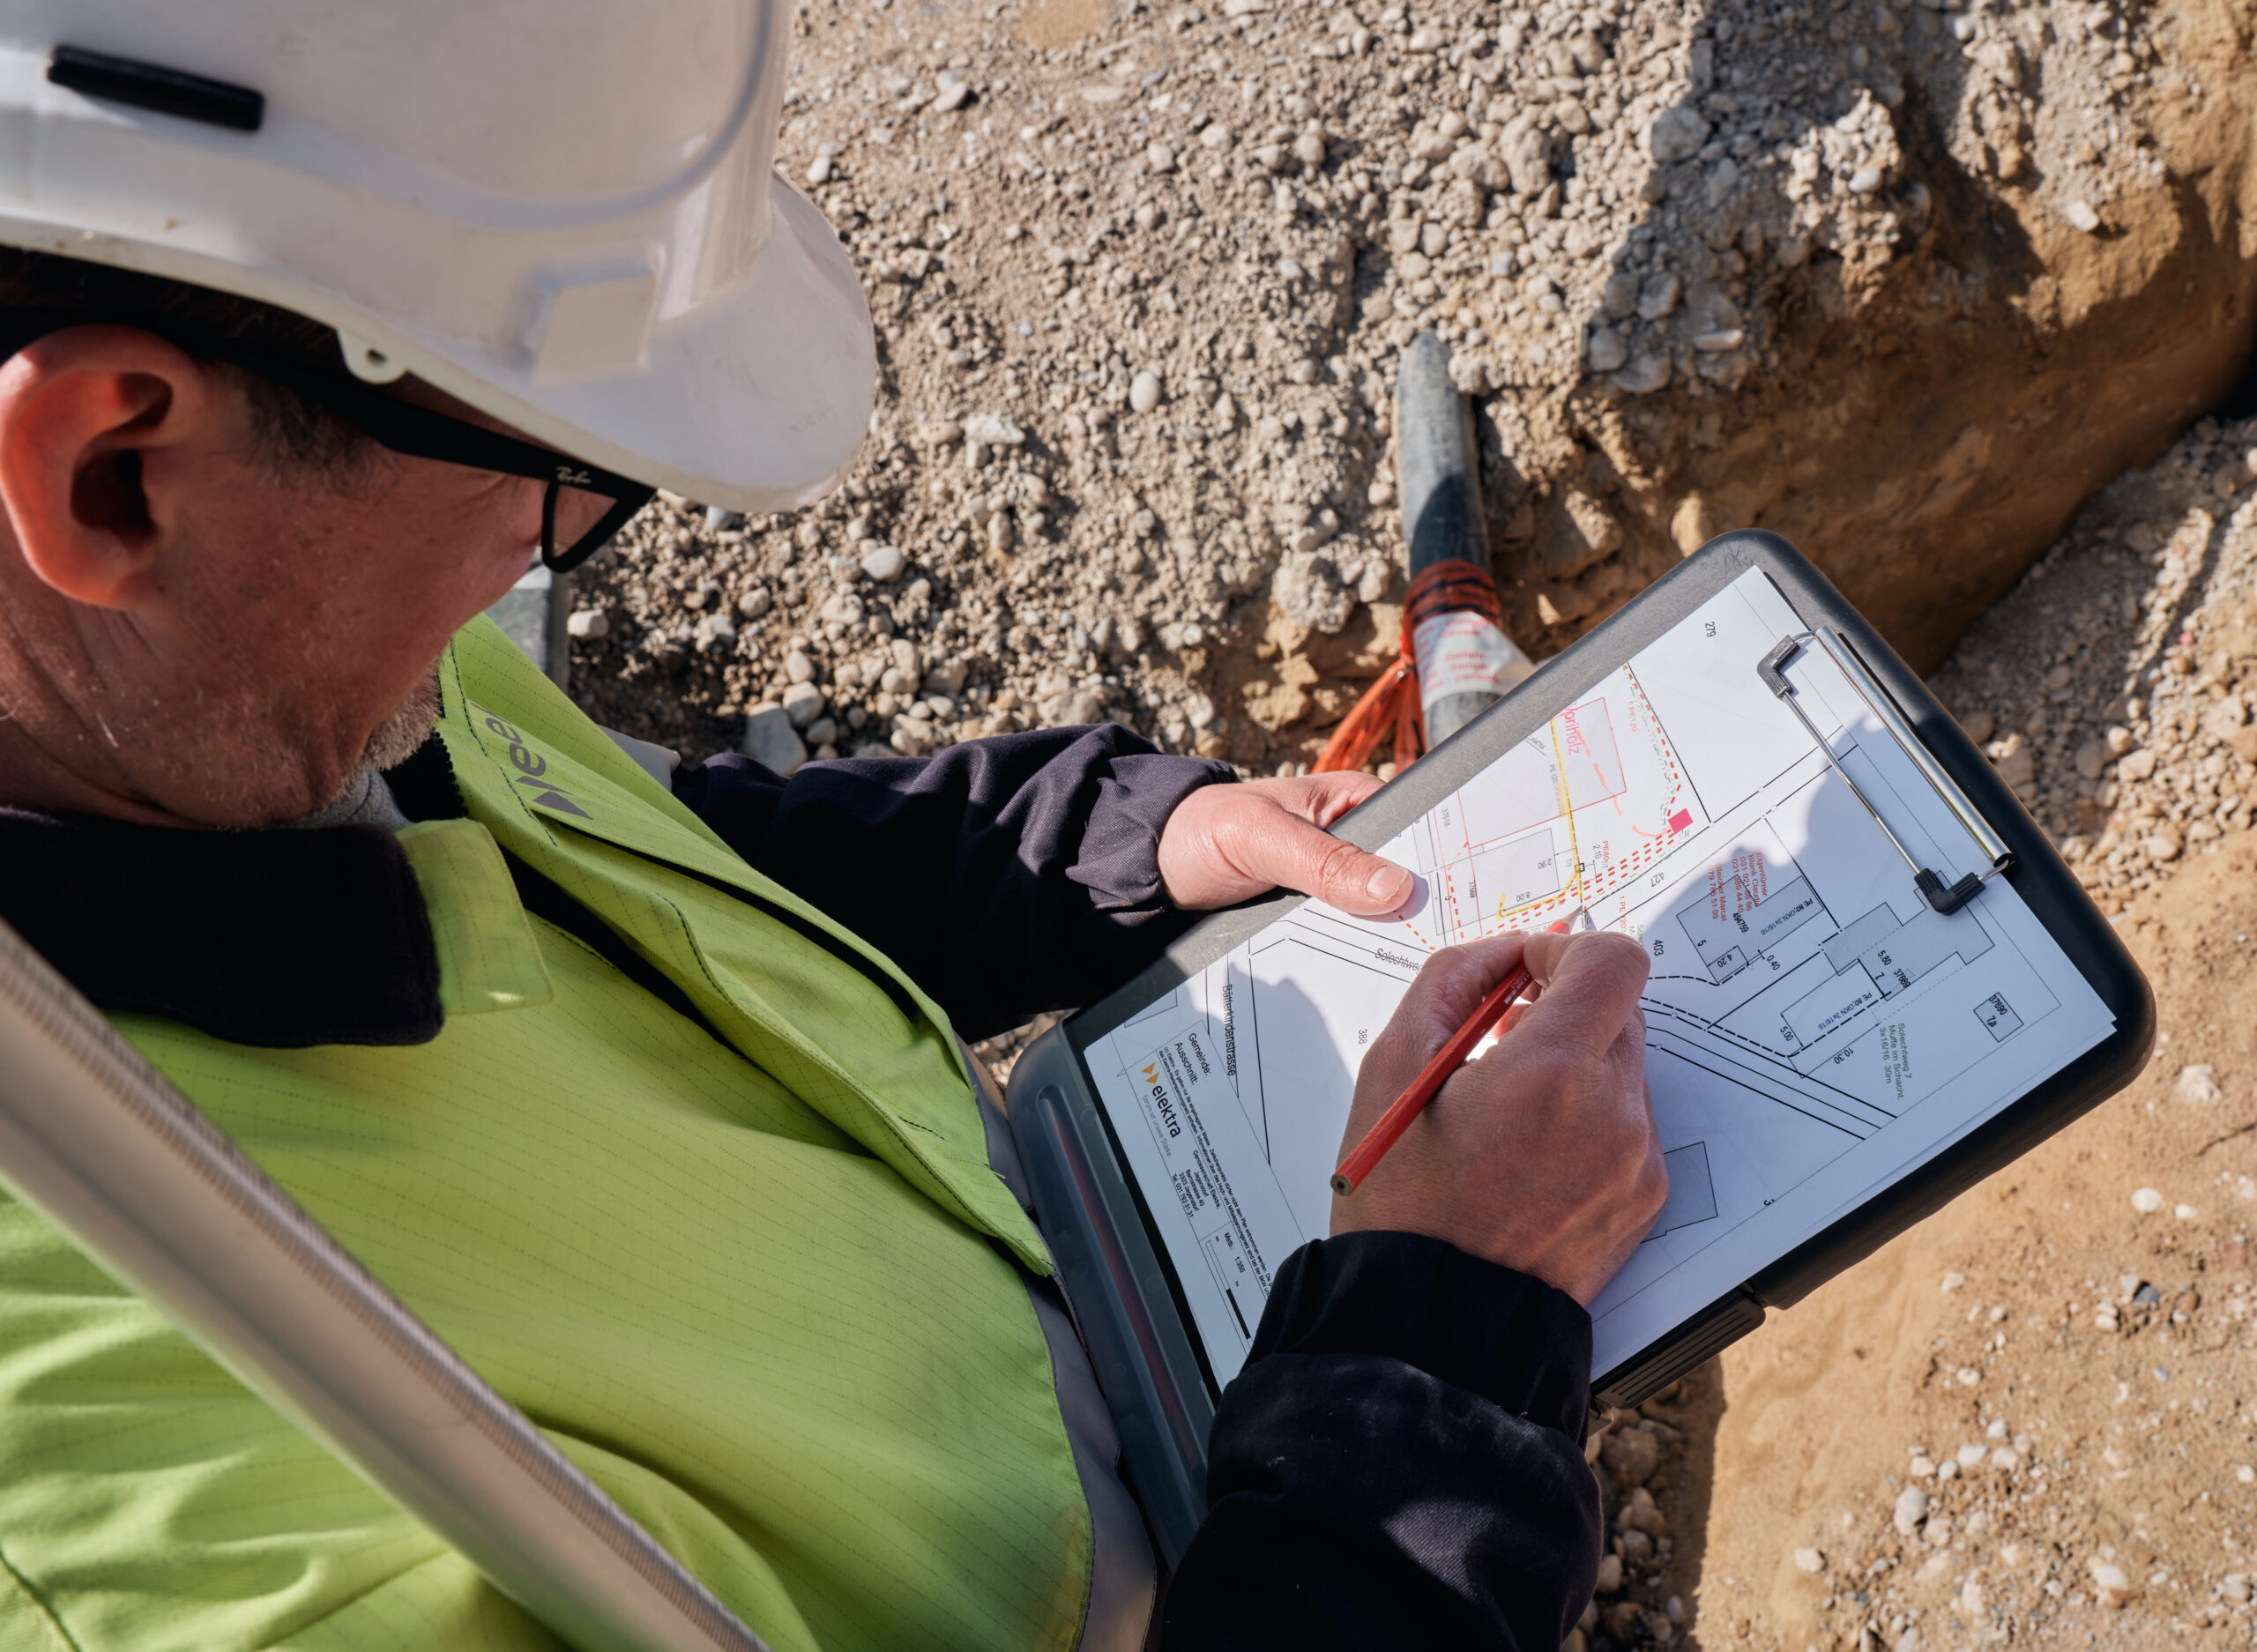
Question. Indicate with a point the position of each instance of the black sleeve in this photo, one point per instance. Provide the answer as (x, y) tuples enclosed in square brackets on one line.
[(1007, 876), (1400, 1463)]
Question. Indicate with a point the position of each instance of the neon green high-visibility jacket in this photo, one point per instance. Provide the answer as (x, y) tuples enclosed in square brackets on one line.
[(757, 1281)]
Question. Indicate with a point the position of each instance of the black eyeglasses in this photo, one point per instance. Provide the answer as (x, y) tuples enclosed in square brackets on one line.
[(590, 503)]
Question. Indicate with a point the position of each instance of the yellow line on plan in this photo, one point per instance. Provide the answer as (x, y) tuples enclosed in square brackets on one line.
[(1566, 805), (1568, 809)]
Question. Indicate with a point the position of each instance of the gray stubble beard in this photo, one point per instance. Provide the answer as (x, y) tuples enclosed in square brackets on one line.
[(400, 736)]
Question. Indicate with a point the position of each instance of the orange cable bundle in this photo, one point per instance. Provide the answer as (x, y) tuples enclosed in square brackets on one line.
[(1392, 701)]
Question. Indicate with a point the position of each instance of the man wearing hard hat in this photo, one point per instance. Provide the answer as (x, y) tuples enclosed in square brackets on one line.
[(316, 320)]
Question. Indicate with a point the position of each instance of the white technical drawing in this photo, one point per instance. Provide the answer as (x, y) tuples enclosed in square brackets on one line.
[(1814, 1028)]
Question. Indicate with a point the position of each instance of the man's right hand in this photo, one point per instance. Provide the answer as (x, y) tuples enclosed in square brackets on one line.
[(1541, 1156)]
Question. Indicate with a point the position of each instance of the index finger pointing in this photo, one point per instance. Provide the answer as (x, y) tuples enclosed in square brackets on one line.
[(1592, 984)]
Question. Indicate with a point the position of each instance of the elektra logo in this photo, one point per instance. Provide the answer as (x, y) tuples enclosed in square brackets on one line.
[(531, 767), (1161, 1102)]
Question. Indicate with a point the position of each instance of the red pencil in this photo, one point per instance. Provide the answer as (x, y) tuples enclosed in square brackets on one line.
[(1448, 1059)]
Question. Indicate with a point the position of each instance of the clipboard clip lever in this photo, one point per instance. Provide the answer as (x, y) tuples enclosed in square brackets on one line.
[(1944, 898)]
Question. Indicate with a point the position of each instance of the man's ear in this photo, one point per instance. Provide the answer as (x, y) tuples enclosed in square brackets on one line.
[(83, 415)]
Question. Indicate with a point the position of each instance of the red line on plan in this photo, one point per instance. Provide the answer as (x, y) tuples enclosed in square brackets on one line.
[(1444, 885)]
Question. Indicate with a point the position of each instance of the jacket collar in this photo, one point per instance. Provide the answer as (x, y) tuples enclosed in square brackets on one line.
[(284, 939)]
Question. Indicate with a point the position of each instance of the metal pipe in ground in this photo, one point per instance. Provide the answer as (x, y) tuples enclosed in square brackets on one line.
[(1465, 661)]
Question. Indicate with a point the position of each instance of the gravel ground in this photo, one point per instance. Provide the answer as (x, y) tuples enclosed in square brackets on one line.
[(1140, 278), (2108, 686)]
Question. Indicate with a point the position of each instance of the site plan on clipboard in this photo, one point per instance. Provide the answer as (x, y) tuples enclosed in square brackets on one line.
[(1815, 1027)]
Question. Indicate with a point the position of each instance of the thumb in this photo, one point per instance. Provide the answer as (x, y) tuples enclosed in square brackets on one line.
[(1304, 857)]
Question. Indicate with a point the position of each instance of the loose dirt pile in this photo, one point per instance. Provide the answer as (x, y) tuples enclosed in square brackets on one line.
[(2110, 688), (1903, 280)]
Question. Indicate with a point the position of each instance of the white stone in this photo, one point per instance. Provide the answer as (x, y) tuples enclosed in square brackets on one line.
[(1811, 1560), (1144, 391), (1911, 1508), (756, 602), (1678, 134), (818, 172), (769, 739), (992, 430), (2005, 1458), (1648, 372), (804, 702), (1970, 1456), (1922, 1467), (2197, 1083), (1607, 351), (2147, 1200), (587, 624), (798, 666), (2080, 214), (884, 562), (1864, 180)]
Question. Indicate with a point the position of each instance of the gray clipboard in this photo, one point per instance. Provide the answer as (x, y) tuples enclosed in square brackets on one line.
[(1117, 1273)]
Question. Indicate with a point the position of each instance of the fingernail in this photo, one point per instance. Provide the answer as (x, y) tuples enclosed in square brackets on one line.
[(1389, 884)]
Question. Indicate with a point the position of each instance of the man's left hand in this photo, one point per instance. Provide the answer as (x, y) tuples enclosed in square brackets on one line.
[(1225, 843)]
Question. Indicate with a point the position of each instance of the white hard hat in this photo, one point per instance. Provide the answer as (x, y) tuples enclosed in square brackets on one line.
[(562, 212)]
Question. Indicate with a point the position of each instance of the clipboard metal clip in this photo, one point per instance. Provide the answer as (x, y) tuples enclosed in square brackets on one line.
[(1945, 898)]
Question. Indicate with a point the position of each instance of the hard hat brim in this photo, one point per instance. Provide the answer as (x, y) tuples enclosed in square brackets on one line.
[(756, 403)]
